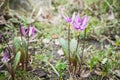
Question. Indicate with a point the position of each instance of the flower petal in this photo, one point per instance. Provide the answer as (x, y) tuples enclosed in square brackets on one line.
[(81, 24), (84, 20), (77, 19), (76, 26), (5, 55), (22, 30), (31, 30), (67, 19), (73, 17)]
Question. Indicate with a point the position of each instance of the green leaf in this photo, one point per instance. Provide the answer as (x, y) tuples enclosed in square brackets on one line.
[(17, 59), (41, 57), (93, 62), (54, 69), (24, 46), (60, 66), (78, 57), (1, 48), (14, 20), (73, 45), (117, 42), (16, 44), (64, 46)]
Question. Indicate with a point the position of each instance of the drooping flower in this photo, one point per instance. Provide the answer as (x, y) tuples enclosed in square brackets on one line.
[(31, 30), (5, 55), (81, 24), (23, 30), (68, 19)]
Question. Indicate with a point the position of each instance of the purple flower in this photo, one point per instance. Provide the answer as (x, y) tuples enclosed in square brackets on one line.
[(31, 30), (5, 55), (80, 24), (23, 30), (68, 19)]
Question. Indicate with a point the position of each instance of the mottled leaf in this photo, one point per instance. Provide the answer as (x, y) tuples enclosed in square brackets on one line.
[(17, 59), (64, 46), (16, 44)]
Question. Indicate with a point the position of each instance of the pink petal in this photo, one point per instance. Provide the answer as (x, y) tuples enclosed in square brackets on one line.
[(84, 20), (73, 17), (5, 55), (67, 19), (22, 30), (77, 19), (31, 31), (76, 26)]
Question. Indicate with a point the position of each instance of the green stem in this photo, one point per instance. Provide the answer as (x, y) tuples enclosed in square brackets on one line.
[(78, 41), (21, 34), (21, 50), (60, 78), (83, 45)]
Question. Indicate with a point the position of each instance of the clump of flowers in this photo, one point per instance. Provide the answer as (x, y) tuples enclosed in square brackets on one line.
[(19, 50), (30, 31), (80, 24), (71, 50)]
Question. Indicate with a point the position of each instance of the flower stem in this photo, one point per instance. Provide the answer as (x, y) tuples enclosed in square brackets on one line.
[(26, 64), (13, 75), (78, 41), (83, 47), (12, 72), (69, 44), (21, 36)]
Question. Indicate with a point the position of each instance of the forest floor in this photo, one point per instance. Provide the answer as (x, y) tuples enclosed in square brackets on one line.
[(102, 43)]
